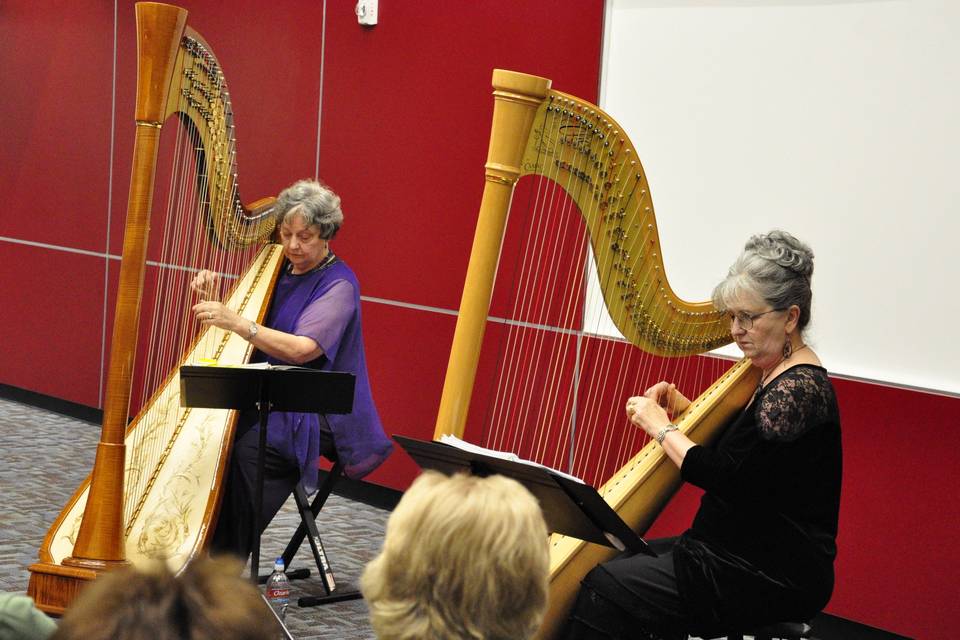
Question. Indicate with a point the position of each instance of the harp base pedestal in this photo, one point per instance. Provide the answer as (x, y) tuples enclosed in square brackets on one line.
[(53, 586)]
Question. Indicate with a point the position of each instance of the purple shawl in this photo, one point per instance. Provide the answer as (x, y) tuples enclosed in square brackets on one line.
[(325, 305)]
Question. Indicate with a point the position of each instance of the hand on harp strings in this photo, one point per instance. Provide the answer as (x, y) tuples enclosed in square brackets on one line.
[(655, 408), (216, 314), (204, 284), (667, 396), (209, 311), (645, 413)]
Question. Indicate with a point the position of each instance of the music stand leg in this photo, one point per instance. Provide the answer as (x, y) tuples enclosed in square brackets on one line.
[(315, 601), (264, 406), (283, 627)]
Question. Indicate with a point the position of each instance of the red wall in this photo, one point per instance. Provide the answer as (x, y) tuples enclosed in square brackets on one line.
[(406, 122), (405, 119)]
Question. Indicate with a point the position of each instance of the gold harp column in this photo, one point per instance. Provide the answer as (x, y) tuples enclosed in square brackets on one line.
[(516, 99), (100, 541)]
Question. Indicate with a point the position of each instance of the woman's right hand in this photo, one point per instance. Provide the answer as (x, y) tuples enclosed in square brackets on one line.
[(666, 395), (204, 284)]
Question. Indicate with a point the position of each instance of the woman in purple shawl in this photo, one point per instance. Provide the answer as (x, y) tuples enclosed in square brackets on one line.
[(313, 321)]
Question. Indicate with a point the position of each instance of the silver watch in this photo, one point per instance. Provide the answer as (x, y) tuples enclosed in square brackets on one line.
[(663, 433), (253, 331)]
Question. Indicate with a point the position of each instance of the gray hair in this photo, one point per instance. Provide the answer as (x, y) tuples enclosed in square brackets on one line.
[(775, 267), (315, 202)]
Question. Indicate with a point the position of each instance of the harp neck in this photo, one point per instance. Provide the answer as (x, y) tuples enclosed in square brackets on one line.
[(202, 104), (539, 131), (584, 150)]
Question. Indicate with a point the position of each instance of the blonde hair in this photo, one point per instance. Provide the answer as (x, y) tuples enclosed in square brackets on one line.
[(463, 557)]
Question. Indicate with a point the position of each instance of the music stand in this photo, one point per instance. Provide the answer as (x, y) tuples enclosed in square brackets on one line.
[(277, 388), (570, 507)]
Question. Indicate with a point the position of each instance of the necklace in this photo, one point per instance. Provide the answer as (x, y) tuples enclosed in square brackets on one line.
[(326, 262), (766, 374)]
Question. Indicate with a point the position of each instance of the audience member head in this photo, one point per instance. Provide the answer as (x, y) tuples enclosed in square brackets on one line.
[(463, 557), (208, 600)]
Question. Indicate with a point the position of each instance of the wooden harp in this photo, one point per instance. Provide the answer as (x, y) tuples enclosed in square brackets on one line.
[(155, 487), (574, 145)]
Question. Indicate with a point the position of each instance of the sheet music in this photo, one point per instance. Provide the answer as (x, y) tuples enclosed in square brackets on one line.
[(454, 441), (206, 362)]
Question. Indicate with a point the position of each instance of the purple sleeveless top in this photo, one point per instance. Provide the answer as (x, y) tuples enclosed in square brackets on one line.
[(324, 305)]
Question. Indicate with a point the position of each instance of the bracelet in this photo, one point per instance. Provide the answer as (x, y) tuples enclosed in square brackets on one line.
[(663, 433)]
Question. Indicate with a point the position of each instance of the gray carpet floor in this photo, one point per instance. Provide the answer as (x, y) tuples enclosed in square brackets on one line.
[(45, 457)]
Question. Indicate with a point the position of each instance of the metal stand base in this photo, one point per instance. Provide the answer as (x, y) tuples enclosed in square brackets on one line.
[(314, 601)]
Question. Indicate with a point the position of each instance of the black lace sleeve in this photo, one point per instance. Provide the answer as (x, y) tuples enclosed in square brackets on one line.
[(795, 401)]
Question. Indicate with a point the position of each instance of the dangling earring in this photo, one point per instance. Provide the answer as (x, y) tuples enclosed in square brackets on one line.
[(787, 348)]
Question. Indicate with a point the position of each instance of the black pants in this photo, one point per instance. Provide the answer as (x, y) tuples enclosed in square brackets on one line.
[(234, 529), (630, 597)]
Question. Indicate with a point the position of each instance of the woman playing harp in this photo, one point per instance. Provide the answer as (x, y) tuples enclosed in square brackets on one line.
[(557, 382), (314, 321), (158, 478), (762, 545)]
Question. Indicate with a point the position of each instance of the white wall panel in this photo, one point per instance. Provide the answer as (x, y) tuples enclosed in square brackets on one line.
[(837, 121)]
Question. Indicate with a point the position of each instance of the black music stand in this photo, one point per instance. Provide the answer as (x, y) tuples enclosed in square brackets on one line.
[(277, 388), (570, 507)]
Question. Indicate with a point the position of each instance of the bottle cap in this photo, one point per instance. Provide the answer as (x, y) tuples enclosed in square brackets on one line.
[(278, 564)]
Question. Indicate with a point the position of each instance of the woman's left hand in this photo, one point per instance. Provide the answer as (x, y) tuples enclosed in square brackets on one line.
[(215, 314), (647, 414)]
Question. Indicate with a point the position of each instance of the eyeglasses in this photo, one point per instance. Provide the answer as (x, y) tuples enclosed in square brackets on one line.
[(745, 320)]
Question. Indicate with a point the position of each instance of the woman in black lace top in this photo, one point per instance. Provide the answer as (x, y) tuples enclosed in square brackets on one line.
[(762, 545)]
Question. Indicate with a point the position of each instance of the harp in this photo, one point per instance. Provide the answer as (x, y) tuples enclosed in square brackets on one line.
[(155, 487), (576, 159)]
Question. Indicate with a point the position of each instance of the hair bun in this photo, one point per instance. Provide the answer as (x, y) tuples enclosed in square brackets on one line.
[(785, 250)]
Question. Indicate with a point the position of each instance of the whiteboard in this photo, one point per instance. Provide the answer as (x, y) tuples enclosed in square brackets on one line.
[(836, 121)]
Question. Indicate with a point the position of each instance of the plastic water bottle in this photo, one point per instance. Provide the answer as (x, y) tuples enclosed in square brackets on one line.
[(278, 589)]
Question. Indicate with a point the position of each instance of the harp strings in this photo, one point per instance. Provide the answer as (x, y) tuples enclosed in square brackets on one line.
[(571, 404), (536, 324), (169, 322), (560, 386), (203, 225), (610, 360)]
